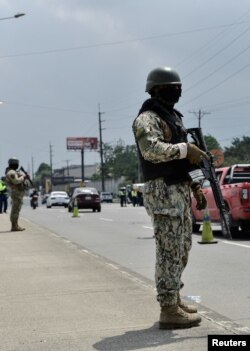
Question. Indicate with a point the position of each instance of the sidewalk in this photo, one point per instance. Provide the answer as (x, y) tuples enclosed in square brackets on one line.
[(56, 296)]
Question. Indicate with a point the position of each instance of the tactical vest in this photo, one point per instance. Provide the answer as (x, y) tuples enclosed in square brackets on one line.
[(175, 171)]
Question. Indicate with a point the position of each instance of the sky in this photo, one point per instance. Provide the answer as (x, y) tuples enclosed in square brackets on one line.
[(66, 60)]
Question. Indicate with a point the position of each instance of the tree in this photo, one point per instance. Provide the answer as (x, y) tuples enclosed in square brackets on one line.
[(211, 142), (124, 161), (238, 152), (42, 173), (120, 160)]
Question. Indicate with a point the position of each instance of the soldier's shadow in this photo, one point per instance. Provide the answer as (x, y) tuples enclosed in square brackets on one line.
[(141, 339)]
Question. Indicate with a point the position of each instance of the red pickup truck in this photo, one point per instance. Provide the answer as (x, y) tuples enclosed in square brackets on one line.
[(235, 187)]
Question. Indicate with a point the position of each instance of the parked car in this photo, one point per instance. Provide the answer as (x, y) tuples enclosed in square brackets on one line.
[(85, 198), (106, 197), (57, 198)]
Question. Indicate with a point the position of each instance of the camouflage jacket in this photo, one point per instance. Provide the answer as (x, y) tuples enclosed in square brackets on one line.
[(153, 135), (15, 181)]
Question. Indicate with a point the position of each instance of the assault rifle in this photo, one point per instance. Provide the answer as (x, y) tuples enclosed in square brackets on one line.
[(208, 171), (28, 177)]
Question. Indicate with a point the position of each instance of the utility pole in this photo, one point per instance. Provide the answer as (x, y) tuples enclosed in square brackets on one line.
[(82, 163), (32, 167), (67, 163), (51, 166), (101, 147), (199, 114)]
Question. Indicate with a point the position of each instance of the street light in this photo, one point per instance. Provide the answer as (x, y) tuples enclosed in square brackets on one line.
[(17, 15)]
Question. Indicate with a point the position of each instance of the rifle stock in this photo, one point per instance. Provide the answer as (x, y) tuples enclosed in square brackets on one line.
[(208, 170)]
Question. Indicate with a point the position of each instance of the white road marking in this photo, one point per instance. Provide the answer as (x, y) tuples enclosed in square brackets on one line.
[(106, 219), (242, 245), (144, 226)]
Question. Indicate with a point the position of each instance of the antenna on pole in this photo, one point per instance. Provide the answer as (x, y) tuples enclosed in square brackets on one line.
[(199, 114)]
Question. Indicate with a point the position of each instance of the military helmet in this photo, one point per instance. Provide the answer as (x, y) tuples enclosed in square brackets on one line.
[(13, 161), (162, 76)]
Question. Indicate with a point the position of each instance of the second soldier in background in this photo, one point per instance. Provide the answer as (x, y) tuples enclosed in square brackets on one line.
[(16, 183)]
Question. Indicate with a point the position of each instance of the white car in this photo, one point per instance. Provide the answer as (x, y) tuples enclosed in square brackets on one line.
[(57, 198), (106, 197)]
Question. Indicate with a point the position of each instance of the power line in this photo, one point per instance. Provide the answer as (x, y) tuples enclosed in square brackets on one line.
[(230, 104), (217, 53), (218, 69), (218, 84), (212, 41), (121, 42), (46, 107), (60, 109), (215, 38)]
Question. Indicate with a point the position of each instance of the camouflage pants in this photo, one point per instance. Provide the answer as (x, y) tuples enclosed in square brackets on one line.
[(169, 208), (17, 201)]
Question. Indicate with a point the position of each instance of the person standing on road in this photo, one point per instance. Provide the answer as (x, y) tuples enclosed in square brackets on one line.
[(16, 182), (167, 158), (134, 197), (139, 197), (123, 197), (3, 196)]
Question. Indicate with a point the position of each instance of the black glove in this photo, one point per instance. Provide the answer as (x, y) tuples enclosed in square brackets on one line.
[(194, 154), (201, 201)]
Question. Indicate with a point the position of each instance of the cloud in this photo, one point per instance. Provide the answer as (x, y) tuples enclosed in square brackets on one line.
[(94, 20), (5, 3)]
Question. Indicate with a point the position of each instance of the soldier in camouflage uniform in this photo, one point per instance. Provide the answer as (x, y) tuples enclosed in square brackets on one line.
[(166, 159), (16, 183)]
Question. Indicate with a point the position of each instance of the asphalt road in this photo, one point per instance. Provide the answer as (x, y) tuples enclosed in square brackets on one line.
[(217, 275)]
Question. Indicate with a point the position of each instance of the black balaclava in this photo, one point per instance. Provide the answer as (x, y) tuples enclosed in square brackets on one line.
[(14, 166), (169, 95)]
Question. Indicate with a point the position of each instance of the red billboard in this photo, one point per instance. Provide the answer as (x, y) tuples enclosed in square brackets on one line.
[(80, 143)]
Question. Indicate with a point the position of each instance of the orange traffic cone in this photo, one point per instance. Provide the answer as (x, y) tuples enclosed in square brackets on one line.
[(207, 233)]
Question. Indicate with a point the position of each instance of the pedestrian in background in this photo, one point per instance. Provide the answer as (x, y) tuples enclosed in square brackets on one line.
[(16, 183), (123, 197), (3, 196), (167, 158), (134, 197), (139, 197)]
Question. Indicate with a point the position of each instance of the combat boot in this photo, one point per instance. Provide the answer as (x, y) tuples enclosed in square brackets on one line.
[(16, 228), (173, 317), (186, 307)]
